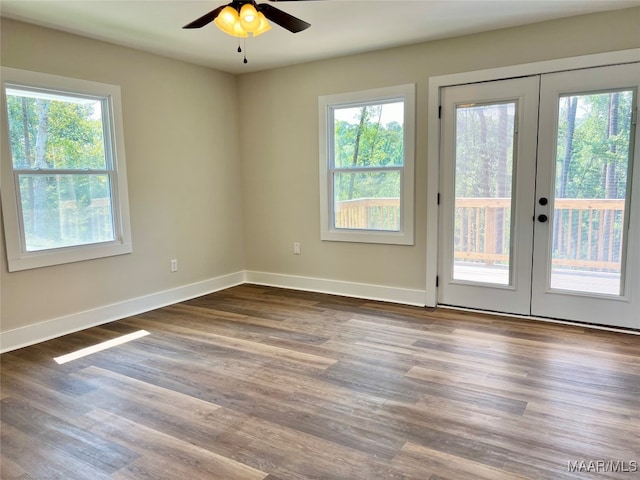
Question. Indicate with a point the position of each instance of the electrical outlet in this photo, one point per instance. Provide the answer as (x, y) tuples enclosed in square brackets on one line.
[(174, 265), (296, 248)]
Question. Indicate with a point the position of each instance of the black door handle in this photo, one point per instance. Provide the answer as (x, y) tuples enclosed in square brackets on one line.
[(543, 201), (542, 218)]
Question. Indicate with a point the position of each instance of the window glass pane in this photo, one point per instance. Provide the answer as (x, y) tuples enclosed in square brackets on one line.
[(369, 135), (367, 200), (65, 210), (54, 131), (592, 165), (483, 192), (367, 146)]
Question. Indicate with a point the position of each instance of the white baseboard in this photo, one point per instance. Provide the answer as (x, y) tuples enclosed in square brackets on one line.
[(56, 327), (336, 287)]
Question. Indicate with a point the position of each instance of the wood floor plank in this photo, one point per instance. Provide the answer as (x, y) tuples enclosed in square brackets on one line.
[(415, 457), (291, 454), (10, 470), (165, 456), (263, 383), (65, 436), (42, 460), (246, 346)]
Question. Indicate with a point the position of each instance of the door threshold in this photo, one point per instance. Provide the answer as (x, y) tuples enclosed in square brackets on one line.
[(593, 326)]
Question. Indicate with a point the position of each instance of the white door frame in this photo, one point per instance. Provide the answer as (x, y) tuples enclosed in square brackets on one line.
[(433, 131)]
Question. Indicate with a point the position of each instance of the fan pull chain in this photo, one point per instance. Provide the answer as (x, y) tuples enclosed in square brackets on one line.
[(241, 50)]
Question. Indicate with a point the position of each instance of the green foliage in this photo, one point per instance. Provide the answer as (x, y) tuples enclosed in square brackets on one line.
[(365, 142), (74, 136), (60, 209), (367, 185), (484, 150), (595, 147)]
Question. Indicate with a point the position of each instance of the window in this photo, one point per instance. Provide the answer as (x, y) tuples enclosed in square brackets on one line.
[(366, 165), (65, 198)]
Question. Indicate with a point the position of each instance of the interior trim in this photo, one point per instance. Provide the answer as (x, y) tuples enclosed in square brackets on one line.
[(366, 291), (57, 327), (606, 328)]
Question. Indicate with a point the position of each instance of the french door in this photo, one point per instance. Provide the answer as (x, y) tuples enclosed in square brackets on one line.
[(540, 203)]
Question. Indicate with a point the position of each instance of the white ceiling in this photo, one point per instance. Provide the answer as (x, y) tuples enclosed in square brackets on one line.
[(339, 27)]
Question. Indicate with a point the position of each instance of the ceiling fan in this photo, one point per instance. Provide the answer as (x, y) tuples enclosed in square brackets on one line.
[(241, 17)]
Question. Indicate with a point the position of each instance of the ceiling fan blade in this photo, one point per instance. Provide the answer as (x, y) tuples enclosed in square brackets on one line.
[(286, 21), (205, 19)]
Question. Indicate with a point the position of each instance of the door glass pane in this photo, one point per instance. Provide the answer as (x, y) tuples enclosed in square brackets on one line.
[(483, 192), (592, 165)]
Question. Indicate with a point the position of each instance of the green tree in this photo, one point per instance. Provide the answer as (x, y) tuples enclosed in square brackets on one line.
[(56, 135), (365, 141)]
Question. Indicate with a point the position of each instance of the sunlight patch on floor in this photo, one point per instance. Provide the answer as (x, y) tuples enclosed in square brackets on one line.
[(83, 352)]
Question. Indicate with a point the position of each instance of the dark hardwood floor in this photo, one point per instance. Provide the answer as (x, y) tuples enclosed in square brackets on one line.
[(265, 383)]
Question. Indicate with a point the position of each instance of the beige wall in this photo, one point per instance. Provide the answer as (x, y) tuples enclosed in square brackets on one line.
[(197, 182), (181, 131), (279, 139)]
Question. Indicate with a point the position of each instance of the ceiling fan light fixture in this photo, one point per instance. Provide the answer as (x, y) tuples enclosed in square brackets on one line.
[(249, 18), (263, 26), (238, 31), (254, 17), (227, 20)]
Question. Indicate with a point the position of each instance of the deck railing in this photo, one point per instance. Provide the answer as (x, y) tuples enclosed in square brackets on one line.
[(588, 232), (369, 214)]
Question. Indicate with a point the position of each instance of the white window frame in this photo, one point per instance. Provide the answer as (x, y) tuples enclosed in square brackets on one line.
[(18, 258), (326, 106)]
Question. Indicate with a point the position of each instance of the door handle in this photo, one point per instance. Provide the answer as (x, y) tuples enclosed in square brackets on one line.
[(542, 218), (543, 201)]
